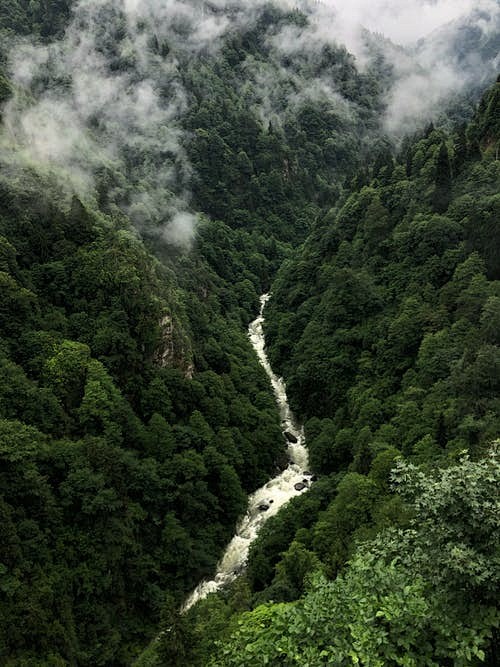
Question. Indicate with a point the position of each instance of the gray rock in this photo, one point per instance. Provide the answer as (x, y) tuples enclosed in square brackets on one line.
[(263, 507), (290, 436), (282, 461), (299, 486)]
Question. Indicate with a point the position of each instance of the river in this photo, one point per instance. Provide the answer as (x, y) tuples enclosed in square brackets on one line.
[(266, 501)]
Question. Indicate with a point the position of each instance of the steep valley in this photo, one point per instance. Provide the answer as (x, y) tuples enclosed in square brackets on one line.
[(165, 166)]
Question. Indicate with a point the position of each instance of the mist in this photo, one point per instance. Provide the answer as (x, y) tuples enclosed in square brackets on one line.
[(422, 40), (105, 104), (402, 21)]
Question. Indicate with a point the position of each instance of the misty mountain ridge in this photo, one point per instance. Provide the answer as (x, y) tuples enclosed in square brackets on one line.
[(165, 166), (114, 88)]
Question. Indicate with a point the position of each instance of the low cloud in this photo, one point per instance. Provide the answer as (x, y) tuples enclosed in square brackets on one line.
[(108, 98), (439, 48), (402, 21), (104, 99), (181, 228)]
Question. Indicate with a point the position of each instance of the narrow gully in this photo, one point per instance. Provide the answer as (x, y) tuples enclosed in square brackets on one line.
[(266, 501)]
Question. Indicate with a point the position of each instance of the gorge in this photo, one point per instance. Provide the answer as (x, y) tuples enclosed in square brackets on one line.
[(266, 501), (165, 167)]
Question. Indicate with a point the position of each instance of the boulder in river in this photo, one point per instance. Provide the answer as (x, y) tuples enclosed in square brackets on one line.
[(299, 486), (282, 461), (263, 507), (290, 437)]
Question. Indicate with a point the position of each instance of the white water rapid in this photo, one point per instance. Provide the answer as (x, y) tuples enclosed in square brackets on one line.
[(266, 501)]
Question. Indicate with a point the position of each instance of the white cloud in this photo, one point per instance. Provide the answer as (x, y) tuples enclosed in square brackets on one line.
[(90, 113), (180, 229), (426, 73), (402, 21), (121, 101)]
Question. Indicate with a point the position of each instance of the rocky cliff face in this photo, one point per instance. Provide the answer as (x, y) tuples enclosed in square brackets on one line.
[(174, 347)]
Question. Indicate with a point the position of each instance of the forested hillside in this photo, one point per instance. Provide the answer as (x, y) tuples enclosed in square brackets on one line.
[(161, 166), (385, 323), (134, 416)]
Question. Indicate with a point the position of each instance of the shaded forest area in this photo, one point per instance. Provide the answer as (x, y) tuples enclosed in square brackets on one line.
[(385, 324), (134, 417)]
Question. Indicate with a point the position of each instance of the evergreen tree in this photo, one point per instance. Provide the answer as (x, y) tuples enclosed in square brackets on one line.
[(442, 181), (460, 150), (175, 642)]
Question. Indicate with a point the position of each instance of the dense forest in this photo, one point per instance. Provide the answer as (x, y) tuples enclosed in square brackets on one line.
[(134, 415), (385, 323)]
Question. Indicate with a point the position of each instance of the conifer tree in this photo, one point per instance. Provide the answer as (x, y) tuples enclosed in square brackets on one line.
[(460, 150), (442, 181)]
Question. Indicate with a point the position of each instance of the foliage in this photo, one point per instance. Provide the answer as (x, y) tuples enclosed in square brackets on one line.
[(135, 418), (380, 320), (414, 597), (155, 416)]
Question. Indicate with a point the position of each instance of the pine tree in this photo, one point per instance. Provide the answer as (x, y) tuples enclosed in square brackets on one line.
[(442, 181), (429, 130), (460, 150), (383, 165), (175, 640)]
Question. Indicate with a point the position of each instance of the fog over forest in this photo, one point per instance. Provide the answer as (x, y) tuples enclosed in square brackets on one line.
[(101, 93), (249, 333)]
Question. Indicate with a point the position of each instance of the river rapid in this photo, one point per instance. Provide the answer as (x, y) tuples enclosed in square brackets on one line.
[(266, 501)]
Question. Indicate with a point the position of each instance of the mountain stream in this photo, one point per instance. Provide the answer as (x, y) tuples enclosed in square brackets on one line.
[(266, 501)]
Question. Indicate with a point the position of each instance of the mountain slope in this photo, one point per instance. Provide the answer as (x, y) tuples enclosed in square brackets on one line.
[(384, 324), (159, 164)]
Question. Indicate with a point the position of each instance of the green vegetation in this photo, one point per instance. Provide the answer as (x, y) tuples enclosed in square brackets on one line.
[(43, 18), (424, 595), (135, 418), (384, 324), (122, 476)]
